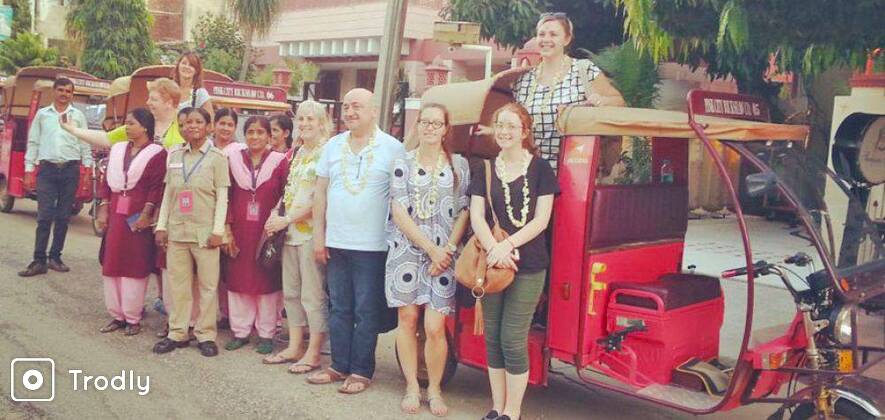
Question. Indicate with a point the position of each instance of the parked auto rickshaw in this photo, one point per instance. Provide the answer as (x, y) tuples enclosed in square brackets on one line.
[(23, 95), (627, 310)]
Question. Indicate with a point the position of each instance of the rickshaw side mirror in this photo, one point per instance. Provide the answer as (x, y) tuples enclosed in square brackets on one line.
[(760, 183)]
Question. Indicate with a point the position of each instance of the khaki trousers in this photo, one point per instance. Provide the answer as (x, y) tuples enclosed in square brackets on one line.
[(304, 289), (180, 260)]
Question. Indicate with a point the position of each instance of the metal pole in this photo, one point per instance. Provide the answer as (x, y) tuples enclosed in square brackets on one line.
[(388, 63), (487, 50)]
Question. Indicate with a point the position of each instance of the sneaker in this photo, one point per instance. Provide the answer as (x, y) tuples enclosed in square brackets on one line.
[(34, 268), (236, 343), (265, 346), (55, 264)]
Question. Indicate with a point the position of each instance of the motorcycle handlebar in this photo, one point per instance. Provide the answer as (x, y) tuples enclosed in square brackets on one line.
[(758, 267)]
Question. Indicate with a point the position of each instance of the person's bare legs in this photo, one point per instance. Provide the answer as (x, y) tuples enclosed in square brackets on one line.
[(498, 384), (407, 348), (435, 355), (312, 357), (516, 385)]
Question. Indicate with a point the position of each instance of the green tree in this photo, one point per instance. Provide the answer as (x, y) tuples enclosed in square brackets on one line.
[(302, 70), (633, 73), (26, 49), (738, 37), (218, 32), (115, 35), (21, 16), (511, 23), (221, 61), (255, 17)]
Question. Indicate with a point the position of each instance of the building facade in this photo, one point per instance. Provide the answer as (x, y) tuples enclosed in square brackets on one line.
[(343, 37)]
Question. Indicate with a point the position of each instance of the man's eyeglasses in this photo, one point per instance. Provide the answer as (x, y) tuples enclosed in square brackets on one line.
[(435, 124)]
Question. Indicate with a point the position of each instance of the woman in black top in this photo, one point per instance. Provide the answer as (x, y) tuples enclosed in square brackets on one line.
[(522, 190)]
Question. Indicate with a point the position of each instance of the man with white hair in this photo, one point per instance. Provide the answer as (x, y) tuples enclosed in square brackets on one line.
[(350, 212)]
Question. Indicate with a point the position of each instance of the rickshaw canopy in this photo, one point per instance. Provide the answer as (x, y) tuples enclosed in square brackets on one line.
[(619, 121), (19, 88), (129, 92), (474, 102)]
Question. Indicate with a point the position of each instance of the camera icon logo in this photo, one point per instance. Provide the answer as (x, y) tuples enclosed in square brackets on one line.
[(32, 379)]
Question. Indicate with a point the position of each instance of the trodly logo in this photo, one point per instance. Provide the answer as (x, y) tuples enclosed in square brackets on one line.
[(32, 379)]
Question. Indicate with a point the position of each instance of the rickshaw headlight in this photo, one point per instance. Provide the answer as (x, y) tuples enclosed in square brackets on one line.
[(840, 324)]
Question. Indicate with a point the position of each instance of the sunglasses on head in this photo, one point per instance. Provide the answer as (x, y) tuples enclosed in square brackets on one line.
[(555, 15)]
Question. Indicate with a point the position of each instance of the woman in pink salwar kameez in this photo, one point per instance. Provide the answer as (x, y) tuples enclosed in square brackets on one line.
[(254, 293), (132, 191)]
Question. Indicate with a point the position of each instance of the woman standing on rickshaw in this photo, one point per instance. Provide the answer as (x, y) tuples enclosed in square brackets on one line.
[(131, 193), (522, 190), (188, 74), (428, 192), (556, 82)]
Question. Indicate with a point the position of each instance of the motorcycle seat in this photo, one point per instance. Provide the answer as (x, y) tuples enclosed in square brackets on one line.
[(675, 290)]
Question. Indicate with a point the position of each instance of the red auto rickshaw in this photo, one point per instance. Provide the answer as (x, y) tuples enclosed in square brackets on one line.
[(23, 95), (634, 308)]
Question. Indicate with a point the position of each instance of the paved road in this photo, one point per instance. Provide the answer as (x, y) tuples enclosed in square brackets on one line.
[(58, 315)]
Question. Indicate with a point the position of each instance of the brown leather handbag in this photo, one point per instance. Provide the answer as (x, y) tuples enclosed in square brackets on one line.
[(471, 269)]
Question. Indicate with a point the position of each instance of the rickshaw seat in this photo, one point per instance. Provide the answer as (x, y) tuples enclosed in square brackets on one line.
[(631, 214), (675, 290)]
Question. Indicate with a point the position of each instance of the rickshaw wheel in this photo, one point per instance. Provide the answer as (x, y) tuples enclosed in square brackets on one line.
[(93, 212), (6, 200), (451, 361), (844, 409)]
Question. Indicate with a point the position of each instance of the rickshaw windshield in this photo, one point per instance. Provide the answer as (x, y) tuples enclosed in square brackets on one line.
[(848, 238)]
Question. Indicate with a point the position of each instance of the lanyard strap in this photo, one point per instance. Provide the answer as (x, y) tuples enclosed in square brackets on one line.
[(253, 172), (187, 174)]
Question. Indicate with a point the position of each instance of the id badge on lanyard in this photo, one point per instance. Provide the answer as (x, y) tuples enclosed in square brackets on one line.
[(123, 204), (253, 209), (185, 197)]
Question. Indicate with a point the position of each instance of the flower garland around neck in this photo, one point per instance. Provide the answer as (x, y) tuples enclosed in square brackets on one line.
[(501, 171), (347, 158), (431, 198), (538, 72), (299, 170)]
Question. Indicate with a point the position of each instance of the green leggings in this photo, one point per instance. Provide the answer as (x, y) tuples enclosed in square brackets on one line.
[(508, 317)]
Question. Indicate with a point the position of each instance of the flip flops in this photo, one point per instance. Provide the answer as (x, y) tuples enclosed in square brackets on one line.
[(327, 376), (410, 404), (362, 385), (300, 368), (278, 359)]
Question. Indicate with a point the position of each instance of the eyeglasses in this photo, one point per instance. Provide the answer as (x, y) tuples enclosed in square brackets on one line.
[(508, 126), (435, 124)]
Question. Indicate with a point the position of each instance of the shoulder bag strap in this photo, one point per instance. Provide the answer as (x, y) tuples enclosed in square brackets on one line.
[(489, 190)]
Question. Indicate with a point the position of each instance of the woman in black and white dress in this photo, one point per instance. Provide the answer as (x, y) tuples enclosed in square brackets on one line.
[(429, 202)]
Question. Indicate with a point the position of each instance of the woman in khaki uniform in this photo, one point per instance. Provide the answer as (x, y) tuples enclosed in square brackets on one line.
[(190, 228)]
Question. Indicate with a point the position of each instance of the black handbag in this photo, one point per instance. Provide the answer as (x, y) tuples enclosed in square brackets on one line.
[(270, 250)]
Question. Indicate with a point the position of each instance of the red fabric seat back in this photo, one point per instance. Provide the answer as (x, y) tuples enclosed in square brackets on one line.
[(626, 214)]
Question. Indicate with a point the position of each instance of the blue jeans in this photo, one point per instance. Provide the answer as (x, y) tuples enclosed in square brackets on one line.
[(56, 190), (356, 294)]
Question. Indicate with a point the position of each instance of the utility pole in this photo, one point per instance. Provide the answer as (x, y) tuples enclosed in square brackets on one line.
[(388, 63)]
